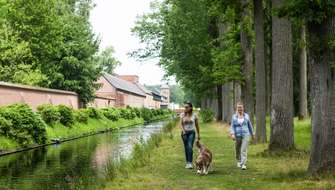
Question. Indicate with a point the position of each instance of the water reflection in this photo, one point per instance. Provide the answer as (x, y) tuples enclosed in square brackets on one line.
[(71, 165)]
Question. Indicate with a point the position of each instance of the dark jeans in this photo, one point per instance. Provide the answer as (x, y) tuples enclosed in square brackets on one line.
[(188, 139)]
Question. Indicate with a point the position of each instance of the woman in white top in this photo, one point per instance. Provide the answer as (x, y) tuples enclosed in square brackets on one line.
[(189, 127)]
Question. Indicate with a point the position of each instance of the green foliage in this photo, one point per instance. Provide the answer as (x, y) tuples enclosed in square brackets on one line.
[(310, 11), (94, 113), (184, 34), (53, 42), (206, 115), (49, 113), (112, 114), (177, 94), (107, 61), (20, 123), (146, 114), (127, 113), (81, 115), (66, 115), (176, 31)]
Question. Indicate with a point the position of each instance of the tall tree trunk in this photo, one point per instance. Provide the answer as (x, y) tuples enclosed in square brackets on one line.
[(237, 93), (303, 112), (268, 57), (247, 87), (321, 60), (220, 103), (227, 98), (260, 72), (281, 137), (214, 102)]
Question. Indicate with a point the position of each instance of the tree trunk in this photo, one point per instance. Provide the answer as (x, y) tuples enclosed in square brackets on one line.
[(321, 60), (303, 112), (220, 103), (281, 137), (237, 93), (268, 57), (247, 87), (214, 102), (227, 98), (260, 72)]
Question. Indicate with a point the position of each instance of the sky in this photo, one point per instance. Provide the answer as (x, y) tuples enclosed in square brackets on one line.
[(112, 20)]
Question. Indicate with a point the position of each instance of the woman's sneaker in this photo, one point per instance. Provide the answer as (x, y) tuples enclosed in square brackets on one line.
[(189, 166), (239, 165), (244, 167)]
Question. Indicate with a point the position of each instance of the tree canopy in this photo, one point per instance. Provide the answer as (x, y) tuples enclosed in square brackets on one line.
[(49, 43)]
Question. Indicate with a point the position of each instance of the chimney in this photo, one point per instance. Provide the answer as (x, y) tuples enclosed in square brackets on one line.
[(130, 78)]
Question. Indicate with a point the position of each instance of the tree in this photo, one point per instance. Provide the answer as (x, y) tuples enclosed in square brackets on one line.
[(247, 51), (56, 43), (177, 94), (281, 137), (303, 112), (319, 17), (260, 72), (322, 94), (107, 61)]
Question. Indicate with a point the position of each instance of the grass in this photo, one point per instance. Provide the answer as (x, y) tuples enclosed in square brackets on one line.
[(92, 126), (164, 169), (7, 144)]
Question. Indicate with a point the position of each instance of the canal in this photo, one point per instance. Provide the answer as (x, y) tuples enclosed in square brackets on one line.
[(78, 164)]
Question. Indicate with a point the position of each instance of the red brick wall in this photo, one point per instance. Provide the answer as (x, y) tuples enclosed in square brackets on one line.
[(12, 93)]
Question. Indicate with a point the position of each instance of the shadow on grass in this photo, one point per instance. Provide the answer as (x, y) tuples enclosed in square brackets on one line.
[(294, 153), (293, 175)]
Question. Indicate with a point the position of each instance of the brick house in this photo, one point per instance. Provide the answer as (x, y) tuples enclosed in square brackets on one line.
[(125, 92)]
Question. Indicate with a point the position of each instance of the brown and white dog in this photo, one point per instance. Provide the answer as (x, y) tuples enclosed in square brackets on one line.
[(204, 160)]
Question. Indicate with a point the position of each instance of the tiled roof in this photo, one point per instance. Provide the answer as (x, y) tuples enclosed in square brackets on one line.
[(143, 88), (123, 85)]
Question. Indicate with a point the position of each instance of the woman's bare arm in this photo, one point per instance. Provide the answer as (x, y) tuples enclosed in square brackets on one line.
[(182, 125)]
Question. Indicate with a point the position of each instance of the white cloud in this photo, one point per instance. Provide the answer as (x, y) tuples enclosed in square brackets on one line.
[(113, 20)]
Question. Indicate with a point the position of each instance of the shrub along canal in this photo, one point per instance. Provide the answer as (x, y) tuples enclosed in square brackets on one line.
[(77, 164)]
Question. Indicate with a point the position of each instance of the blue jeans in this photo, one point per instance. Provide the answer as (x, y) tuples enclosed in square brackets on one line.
[(188, 139)]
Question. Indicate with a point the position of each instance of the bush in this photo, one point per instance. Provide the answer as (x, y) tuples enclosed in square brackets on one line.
[(146, 114), (21, 124), (127, 113), (136, 111), (66, 115), (94, 113), (49, 113), (111, 114), (81, 115), (206, 115)]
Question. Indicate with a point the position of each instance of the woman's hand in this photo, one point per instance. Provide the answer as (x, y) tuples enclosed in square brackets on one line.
[(198, 138), (232, 137)]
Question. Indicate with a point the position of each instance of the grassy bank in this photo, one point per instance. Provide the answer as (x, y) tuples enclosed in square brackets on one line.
[(165, 167), (21, 127), (92, 126)]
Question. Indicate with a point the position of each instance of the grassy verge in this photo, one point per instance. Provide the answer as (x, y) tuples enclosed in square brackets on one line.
[(140, 156), (7, 144), (165, 167), (92, 126), (59, 131)]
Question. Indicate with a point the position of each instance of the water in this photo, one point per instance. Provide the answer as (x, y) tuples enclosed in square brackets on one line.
[(71, 165)]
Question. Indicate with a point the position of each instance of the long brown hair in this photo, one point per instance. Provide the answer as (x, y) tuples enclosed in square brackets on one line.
[(191, 106)]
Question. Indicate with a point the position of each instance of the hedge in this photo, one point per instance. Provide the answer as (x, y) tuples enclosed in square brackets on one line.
[(20, 123)]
